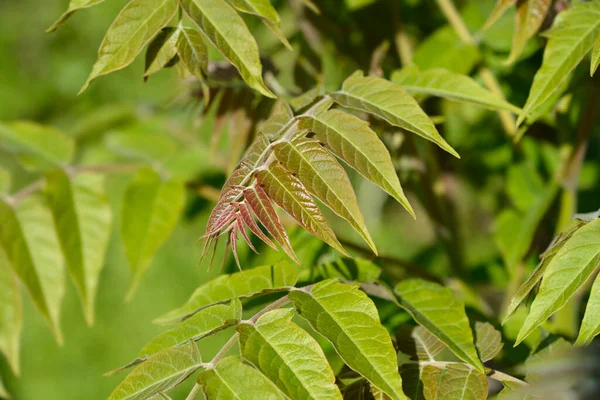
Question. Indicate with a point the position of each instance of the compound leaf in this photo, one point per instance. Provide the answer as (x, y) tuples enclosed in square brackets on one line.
[(288, 356), (11, 309), (390, 102), (74, 6), (437, 309), (350, 321)]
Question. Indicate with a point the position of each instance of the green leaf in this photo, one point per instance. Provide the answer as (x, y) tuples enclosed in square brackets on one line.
[(288, 356), (161, 50), (419, 383), (291, 195), (450, 85), (193, 52), (28, 236), (244, 284), (497, 12), (231, 379), (5, 180), (137, 143), (539, 271), (529, 18), (230, 35), (3, 393), (350, 321), (37, 146), (161, 372), (426, 345), (488, 341), (595, 57), (137, 23), (280, 115), (461, 382), (568, 270), (74, 6), (325, 178), (351, 139), (590, 326), (390, 102), (264, 10), (571, 37), (83, 218), (305, 99), (11, 310), (350, 269), (151, 208), (437, 309)]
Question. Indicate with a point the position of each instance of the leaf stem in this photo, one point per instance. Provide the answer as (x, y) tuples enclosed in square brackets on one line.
[(194, 392), (454, 18)]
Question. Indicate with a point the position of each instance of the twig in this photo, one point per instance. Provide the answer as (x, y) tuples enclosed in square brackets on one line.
[(194, 392)]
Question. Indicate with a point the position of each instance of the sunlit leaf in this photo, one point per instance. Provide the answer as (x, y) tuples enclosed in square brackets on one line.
[(288, 356), (266, 12), (244, 284), (5, 180), (529, 18), (497, 12), (3, 392), (137, 23), (151, 208), (291, 195), (231, 378), (419, 382), (350, 321), (461, 382), (590, 326), (29, 240), (280, 115), (450, 85), (390, 102), (159, 373), (192, 52), (161, 50), (74, 6), (568, 270), (595, 57), (437, 309), (571, 37), (230, 35), (351, 139), (488, 341), (325, 178), (11, 319)]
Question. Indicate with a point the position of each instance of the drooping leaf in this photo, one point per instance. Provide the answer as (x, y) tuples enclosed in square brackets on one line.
[(151, 208), (74, 6), (244, 284), (192, 52), (29, 240), (450, 85), (497, 12), (529, 18), (595, 57), (351, 139), (137, 23), (350, 321), (291, 195), (590, 326), (568, 270), (571, 37), (461, 382), (83, 217), (161, 372), (390, 102), (231, 379), (325, 178), (161, 50), (288, 356), (230, 35), (37, 146), (437, 309), (266, 12), (11, 319), (488, 341), (419, 382)]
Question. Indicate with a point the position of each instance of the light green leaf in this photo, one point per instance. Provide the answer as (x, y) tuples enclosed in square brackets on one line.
[(350, 269), (74, 6), (568, 270), (571, 37), (193, 52), (419, 383), (280, 115), (325, 178), (590, 326), (288, 356), (390, 102), (350, 321), (28, 237), (37, 146), (232, 379), (351, 139), (426, 345), (488, 341), (137, 143), (450, 85), (151, 208), (266, 12), (595, 57), (161, 50), (529, 18), (161, 372), (3, 393), (83, 217), (437, 309), (244, 284), (5, 180), (461, 382), (11, 309), (137, 23), (497, 12), (305, 99), (230, 35), (291, 195)]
